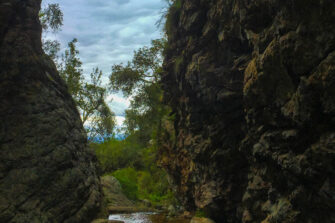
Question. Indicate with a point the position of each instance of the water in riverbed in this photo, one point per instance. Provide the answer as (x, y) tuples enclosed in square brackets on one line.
[(146, 217)]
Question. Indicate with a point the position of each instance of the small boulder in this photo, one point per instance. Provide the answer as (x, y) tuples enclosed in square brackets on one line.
[(187, 214), (113, 192), (201, 220)]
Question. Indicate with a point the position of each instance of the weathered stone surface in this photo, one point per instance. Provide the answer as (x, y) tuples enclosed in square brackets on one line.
[(252, 89), (47, 173), (201, 220), (100, 221), (113, 194)]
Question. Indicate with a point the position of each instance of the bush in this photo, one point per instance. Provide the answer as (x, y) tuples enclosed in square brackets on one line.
[(128, 180), (115, 154), (134, 166)]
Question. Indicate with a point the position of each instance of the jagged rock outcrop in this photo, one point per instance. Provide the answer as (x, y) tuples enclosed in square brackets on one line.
[(252, 89), (47, 173)]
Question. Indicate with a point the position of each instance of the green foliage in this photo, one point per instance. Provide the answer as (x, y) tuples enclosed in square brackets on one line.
[(71, 70), (88, 95), (143, 70), (153, 184), (94, 108), (51, 17), (140, 79), (143, 185), (128, 180), (135, 166), (124, 78), (115, 154), (51, 48)]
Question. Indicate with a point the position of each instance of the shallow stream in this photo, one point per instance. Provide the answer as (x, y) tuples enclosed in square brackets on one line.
[(146, 217)]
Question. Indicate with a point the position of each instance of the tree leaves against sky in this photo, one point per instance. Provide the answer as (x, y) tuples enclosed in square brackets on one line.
[(90, 97), (140, 79)]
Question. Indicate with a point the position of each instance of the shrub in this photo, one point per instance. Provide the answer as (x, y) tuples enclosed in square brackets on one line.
[(128, 180), (115, 154)]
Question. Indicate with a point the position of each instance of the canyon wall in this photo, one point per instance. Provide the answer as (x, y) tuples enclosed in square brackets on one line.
[(47, 173), (251, 84)]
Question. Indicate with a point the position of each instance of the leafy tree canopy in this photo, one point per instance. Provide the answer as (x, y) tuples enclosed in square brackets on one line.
[(139, 79), (51, 17), (90, 96)]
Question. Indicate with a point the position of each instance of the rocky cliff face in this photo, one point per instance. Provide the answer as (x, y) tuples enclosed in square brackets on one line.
[(47, 173), (252, 88)]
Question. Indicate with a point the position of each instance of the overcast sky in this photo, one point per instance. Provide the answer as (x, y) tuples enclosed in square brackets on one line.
[(108, 31)]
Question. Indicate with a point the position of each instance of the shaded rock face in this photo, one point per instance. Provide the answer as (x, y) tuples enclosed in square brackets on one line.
[(47, 173), (113, 197), (113, 193), (252, 89)]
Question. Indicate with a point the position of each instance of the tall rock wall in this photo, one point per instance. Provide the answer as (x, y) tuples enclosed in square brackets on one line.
[(252, 89), (47, 173)]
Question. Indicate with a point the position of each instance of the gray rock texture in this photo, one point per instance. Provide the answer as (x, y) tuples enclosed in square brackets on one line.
[(251, 85), (47, 173), (113, 193)]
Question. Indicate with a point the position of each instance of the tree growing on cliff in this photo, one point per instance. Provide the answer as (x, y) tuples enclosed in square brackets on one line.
[(51, 18), (90, 96)]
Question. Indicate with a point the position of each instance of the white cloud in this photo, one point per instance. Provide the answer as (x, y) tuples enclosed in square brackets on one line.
[(118, 104), (119, 120)]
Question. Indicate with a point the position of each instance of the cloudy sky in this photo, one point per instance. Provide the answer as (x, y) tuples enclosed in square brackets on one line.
[(108, 31)]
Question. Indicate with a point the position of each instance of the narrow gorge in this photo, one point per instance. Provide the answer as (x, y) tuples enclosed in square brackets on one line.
[(251, 133)]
